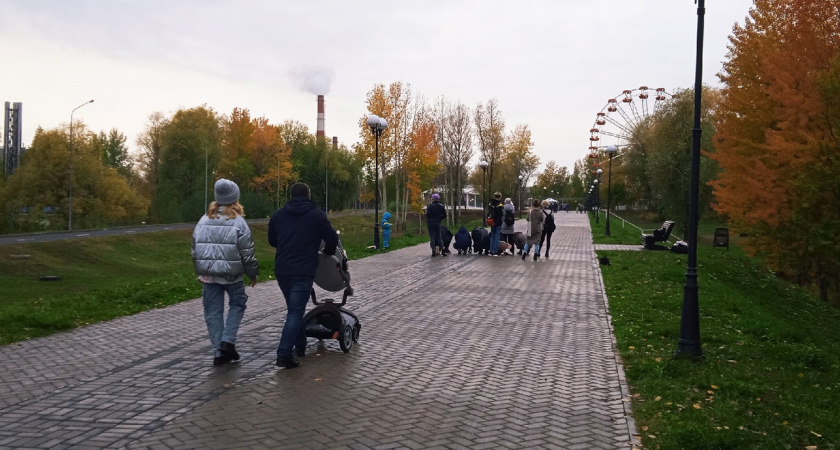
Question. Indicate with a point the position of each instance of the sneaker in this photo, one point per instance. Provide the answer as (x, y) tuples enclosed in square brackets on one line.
[(300, 352), (287, 362), (524, 255), (221, 360), (536, 256), (437, 250), (229, 349)]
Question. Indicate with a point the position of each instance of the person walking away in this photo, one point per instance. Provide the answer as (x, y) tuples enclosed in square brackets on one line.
[(296, 231), (547, 229), (223, 251), (507, 225), (497, 214), (386, 229), (535, 222), (435, 213)]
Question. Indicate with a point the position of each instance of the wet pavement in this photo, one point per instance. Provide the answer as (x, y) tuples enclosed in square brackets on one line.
[(463, 351)]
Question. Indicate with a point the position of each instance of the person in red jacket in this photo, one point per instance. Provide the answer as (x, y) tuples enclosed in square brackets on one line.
[(296, 231)]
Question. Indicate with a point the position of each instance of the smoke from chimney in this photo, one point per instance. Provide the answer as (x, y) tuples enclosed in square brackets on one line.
[(319, 134)]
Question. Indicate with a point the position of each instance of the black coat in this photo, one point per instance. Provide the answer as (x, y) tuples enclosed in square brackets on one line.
[(435, 212), (462, 239), (296, 231), (497, 211)]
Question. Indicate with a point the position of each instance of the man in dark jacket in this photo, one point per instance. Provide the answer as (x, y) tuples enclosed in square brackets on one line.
[(497, 212), (296, 231), (435, 212)]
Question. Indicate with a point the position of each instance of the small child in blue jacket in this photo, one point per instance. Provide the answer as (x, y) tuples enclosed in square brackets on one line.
[(386, 229)]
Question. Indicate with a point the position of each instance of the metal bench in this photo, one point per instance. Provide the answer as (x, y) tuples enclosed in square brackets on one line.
[(660, 234)]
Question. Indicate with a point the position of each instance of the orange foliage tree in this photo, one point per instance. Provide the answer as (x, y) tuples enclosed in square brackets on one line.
[(777, 140)]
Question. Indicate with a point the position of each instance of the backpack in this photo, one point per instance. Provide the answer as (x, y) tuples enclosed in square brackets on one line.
[(549, 225), (509, 219)]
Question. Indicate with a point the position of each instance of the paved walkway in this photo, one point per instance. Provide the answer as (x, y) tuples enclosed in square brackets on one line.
[(461, 351)]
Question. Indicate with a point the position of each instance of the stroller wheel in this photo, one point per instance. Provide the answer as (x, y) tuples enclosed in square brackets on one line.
[(345, 339), (356, 330)]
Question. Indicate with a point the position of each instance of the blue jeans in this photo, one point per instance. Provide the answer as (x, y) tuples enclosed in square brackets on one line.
[(296, 290), (219, 329), (495, 237)]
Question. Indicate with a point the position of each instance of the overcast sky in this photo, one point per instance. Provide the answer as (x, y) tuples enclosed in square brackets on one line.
[(550, 64)]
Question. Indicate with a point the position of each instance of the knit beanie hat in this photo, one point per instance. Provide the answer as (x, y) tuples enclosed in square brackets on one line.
[(435, 197), (226, 191)]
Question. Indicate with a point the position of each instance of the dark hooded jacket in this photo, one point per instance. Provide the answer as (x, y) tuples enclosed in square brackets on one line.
[(296, 231), (462, 239)]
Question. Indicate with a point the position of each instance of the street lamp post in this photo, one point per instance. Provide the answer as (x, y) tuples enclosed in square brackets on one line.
[(598, 195), (70, 195), (689, 342), (519, 196), (377, 126), (484, 165), (611, 151)]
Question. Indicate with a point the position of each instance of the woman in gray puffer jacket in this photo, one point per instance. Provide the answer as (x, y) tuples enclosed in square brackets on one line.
[(223, 251)]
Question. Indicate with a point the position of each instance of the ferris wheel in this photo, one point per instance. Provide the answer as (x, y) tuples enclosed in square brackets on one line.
[(615, 123)]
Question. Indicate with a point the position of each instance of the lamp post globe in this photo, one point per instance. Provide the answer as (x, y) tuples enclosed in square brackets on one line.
[(377, 125), (70, 171), (483, 164)]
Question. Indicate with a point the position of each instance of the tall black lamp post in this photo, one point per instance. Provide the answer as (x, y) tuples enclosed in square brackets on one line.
[(483, 164), (377, 126), (519, 196), (70, 195), (611, 151), (689, 343)]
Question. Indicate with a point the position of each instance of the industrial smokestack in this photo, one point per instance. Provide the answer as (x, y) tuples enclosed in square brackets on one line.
[(335, 142), (319, 134)]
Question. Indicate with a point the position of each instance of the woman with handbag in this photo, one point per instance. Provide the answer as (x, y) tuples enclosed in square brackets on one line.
[(535, 222)]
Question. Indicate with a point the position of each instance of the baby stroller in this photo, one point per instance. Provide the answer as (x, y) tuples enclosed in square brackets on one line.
[(329, 320)]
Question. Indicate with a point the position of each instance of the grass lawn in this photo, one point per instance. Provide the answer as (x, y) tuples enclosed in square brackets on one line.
[(108, 277), (770, 378)]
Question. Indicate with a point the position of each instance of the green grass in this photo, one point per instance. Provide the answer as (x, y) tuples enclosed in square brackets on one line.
[(771, 373), (109, 277)]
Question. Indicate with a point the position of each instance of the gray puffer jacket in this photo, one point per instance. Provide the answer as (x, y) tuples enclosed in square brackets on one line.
[(224, 247)]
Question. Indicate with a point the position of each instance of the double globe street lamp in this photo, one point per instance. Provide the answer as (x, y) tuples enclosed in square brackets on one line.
[(70, 194), (377, 126)]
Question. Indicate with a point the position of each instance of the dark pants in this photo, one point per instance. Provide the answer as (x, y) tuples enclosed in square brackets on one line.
[(296, 290), (545, 236), (434, 236)]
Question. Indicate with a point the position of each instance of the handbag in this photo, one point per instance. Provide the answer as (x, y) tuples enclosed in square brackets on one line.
[(491, 222)]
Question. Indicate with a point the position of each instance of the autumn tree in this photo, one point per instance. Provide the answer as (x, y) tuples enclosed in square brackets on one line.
[(115, 152), (668, 155), (519, 161), (187, 170), (454, 137), (490, 133), (36, 196), (147, 161), (777, 141)]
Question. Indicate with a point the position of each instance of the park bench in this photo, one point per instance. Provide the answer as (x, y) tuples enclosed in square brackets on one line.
[(660, 234)]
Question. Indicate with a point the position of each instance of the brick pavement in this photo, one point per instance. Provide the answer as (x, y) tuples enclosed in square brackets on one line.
[(461, 351)]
